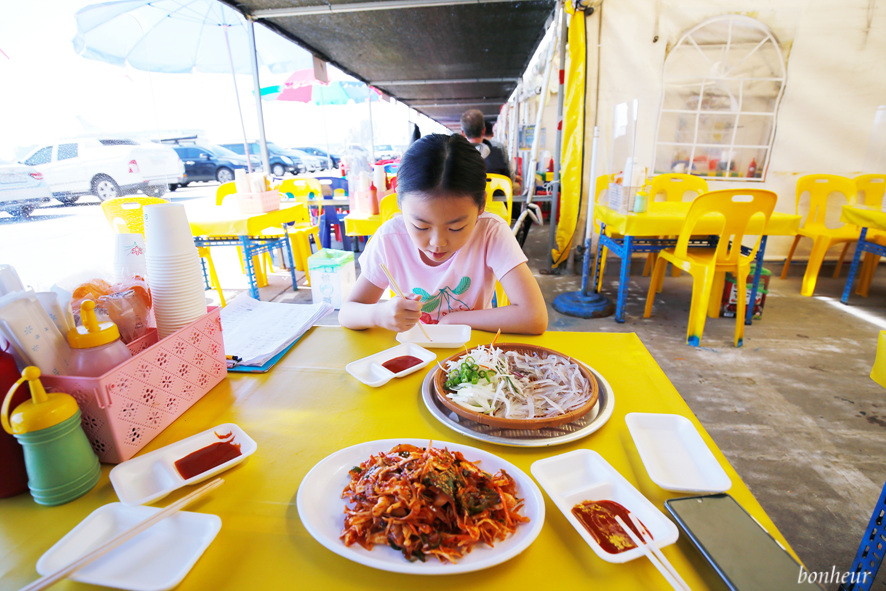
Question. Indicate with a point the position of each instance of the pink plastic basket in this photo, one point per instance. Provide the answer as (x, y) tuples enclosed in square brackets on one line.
[(128, 406)]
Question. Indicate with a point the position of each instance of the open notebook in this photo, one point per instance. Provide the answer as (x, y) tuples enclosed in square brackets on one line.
[(260, 333)]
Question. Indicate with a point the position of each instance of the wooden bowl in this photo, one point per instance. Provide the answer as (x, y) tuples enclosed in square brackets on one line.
[(503, 423)]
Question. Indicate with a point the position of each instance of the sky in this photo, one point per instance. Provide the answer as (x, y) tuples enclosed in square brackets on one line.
[(48, 92)]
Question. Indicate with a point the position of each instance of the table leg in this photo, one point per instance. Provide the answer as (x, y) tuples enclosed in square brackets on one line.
[(853, 269), (758, 269), (288, 248), (597, 259), (623, 279), (250, 267)]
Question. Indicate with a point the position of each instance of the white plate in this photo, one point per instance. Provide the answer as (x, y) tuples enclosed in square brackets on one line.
[(583, 475), (443, 336), (675, 455), (151, 477), (578, 429), (369, 370), (156, 559), (321, 507)]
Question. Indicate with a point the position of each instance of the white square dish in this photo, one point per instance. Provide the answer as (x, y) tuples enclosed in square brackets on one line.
[(154, 560), (443, 336), (584, 475), (370, 371), (675, 455), (148, 478)]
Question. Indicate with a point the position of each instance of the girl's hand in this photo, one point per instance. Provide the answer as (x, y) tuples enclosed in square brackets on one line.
[(399, 314)]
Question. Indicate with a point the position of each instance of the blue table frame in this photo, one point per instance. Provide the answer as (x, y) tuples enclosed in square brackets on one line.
[(863, 245), (626, 247)]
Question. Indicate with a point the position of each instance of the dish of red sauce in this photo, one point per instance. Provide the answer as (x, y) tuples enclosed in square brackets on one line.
[(207, 458), (402, 363), (598, 517)]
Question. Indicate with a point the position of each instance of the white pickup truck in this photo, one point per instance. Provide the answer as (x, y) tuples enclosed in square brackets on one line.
[(106, 168)]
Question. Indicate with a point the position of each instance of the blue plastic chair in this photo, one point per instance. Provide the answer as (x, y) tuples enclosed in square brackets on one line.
[(870, 552), (329, 216)]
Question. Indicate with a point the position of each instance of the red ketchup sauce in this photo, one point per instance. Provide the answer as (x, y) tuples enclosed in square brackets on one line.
[(207, 458), (398, 364), (598, 517)]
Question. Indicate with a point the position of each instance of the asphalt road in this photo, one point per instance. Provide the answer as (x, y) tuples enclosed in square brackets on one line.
[(66, 242)]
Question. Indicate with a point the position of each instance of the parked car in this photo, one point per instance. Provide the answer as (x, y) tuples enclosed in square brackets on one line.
[(207, 162), (312, 162), (323, 156), (386, 152), (22, 189), (279, 161), (106, 168)]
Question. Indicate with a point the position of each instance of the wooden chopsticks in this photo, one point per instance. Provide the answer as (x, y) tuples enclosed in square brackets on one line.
[(654, 555), (52, 578), (399, 292)]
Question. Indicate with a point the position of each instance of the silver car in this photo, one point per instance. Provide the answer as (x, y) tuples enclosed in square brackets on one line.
[(22, 189)]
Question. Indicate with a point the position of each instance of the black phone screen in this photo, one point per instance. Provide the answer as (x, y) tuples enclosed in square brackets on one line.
[(739, 549)]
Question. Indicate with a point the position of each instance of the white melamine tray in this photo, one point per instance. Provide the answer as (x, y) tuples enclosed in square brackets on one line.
[(148, 478), (369, 370), (443, 336), (583, 475), (154, 560), (675, 455)]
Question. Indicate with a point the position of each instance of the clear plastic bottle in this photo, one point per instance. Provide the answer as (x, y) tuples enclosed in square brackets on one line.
[(96, 346)]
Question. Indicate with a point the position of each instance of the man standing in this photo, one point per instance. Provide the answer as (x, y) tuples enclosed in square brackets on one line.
[(473, 127)]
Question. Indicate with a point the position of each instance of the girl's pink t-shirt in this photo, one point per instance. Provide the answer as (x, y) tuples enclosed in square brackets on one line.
[(465, 281)]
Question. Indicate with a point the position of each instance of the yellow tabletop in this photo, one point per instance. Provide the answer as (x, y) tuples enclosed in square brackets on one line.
[(362, 224), (864, 216), (227, 220), (308, 407), (666, 219)]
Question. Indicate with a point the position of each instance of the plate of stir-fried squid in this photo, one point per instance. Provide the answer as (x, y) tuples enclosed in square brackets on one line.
[(516, 386)]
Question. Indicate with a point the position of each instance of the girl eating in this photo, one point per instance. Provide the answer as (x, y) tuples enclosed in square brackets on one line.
[(444, 251)]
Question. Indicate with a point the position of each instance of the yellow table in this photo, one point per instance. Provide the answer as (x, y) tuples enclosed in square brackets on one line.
[(643, 232), (225, 225), (362, 224), (868, 218), (307, 407)]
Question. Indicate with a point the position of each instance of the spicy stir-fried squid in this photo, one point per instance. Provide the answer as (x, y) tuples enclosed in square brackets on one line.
[(428, 502), (515, 385)]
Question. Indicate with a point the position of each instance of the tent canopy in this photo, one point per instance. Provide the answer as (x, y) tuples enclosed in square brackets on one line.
[(441, 58)]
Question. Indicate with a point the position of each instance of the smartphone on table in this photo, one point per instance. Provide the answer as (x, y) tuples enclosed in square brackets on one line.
[(744, 554)]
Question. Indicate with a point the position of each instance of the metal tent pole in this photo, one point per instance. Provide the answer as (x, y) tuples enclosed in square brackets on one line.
[(558, 147), (253, 61), (237, 96)]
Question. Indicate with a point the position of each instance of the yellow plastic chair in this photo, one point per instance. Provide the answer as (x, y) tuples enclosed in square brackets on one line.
[(871, 189), (388, 207), (672, 188), (740, 212), (223, 191), (299, 237), (126, 216), (819, 186), (878, 372), (301, 188), (499, 182)]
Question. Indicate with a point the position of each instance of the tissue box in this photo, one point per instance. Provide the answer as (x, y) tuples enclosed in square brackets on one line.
[(253, 203), (333, 276)]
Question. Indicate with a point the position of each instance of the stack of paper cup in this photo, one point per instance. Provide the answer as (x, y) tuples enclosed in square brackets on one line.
[(174, 272)]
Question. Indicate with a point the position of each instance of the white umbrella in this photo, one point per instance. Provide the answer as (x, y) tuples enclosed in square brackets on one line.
[(183, 36)]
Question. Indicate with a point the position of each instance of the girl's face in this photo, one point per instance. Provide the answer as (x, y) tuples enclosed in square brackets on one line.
[(439, 225)]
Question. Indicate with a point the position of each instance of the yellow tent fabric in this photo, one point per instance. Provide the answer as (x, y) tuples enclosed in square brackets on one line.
[(572, 163)]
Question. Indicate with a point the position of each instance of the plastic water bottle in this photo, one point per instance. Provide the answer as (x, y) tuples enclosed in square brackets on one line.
[(60, 461)]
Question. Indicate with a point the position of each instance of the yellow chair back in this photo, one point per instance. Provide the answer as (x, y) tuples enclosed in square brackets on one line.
[(126, 215), (871, 188), (223, 191), (499, 182), (388, 207), (672, 187), (738, 211), (819, 187), (302, 188), (878, 372)]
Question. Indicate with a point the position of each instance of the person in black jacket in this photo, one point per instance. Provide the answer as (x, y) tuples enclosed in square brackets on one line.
[(473, 127)]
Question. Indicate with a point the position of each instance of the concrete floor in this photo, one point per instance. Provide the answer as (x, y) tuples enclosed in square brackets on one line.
[(793, 410)]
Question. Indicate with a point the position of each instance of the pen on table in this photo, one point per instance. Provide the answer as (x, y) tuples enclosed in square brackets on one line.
[(399, 292), (232, 360)]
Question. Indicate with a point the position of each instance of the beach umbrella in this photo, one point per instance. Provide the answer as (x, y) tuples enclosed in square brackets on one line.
[(184, 36)]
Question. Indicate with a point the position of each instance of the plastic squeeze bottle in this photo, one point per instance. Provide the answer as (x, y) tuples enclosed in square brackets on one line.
[(59, 459), (96, 346)]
